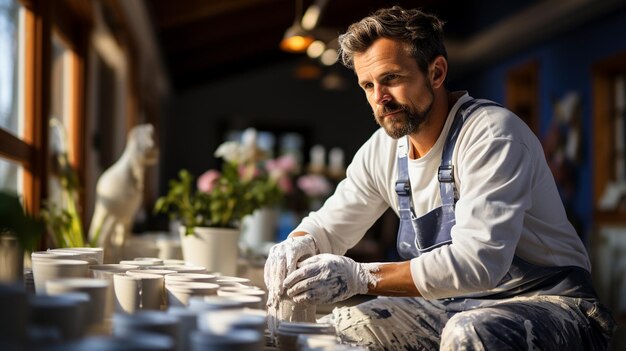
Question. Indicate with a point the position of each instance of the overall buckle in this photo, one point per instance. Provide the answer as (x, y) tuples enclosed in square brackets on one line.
[(446, 174), (403, 188)]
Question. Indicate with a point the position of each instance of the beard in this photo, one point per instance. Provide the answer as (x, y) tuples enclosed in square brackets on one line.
[(407, 119)]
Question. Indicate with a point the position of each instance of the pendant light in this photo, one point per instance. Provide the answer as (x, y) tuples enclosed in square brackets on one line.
[(296, 39)]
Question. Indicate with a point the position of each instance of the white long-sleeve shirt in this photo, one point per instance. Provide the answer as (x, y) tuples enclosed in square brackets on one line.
[(508, 204)]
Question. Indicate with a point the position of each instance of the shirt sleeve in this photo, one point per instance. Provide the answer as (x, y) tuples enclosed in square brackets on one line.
[(354, 207), (495, 181)]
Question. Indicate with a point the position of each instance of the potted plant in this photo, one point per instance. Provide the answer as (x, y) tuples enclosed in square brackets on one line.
[(19, 233), (61, 213), (211, 209)]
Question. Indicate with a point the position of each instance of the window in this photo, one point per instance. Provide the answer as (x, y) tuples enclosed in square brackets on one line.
[(59, 119), (10, 173), (9, 46), (11, 81)]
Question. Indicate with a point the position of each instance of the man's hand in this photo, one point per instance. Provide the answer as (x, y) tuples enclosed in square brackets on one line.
[(327, 278), (282, 260)]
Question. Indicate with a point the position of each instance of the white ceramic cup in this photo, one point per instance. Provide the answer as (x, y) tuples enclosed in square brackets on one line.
[(238, 291), (232, 281), (182, 268), (209, 303), (157, 322), (93, 255), (59, 312), (153, 260), (233, 340), (221, 321), (55, 255), (137, 341), (290, 311), (106, 272), (248, 301), (174, 262), (161, 272), (310, 342), (140, 264), (126, 293), (14, 307), (169, 249), (82, 300), (47, 269), (138, 291), (179, 294), (288, 332), (187, 322), (176, 278), (96, 288)]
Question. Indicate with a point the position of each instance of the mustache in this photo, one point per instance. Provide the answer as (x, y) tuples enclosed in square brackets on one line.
[(389, 108)]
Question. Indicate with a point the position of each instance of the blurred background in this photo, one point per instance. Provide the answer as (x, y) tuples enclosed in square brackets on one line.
[(77, 75)]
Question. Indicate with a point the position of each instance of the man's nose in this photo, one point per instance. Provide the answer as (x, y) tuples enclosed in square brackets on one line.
[(381, 95)]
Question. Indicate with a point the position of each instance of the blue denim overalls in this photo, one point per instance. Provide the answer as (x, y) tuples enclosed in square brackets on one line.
[(419, 235)]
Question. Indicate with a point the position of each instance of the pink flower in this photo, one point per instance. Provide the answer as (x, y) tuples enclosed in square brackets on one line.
[(314, 185), (285, 185), (286, 164), (208, 180), (249, 171)]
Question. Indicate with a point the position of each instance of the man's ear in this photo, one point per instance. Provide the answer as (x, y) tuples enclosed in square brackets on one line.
[(438, 71)]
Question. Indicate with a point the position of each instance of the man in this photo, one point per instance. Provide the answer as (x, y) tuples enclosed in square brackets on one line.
[(491, 260)]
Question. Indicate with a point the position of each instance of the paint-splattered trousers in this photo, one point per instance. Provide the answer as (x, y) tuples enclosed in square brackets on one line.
[(522, 323)]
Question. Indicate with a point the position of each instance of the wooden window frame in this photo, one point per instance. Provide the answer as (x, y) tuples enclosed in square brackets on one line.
[(603, 74), (30, 150)]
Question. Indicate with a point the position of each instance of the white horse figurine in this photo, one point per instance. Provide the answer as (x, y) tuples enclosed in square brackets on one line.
[(119, 193)]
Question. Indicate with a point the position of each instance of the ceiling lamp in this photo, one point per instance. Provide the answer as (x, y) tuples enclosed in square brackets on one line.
[(296, 39)]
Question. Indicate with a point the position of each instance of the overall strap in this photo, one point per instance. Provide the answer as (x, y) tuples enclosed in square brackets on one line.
[(447, 188), (445, 175), (403, 185)]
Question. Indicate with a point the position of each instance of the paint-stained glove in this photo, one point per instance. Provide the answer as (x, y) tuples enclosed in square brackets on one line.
[(282, 260), (328, 278)]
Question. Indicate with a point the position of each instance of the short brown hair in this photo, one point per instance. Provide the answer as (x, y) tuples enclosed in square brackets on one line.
[(421, 31)]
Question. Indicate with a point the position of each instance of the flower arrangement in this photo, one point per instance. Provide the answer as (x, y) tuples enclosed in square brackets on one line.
[(246, 182), (61, 215), (316, 187)]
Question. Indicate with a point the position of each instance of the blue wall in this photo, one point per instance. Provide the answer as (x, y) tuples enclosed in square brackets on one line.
[(565, 66)]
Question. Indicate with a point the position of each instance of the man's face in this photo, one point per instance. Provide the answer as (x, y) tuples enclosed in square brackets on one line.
[(400, 95)]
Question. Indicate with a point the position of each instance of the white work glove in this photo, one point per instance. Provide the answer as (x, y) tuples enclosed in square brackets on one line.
[(282, 260), (327, 278)]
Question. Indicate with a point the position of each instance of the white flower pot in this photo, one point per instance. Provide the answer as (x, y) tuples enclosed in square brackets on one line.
[(259, 227), (215, 249)]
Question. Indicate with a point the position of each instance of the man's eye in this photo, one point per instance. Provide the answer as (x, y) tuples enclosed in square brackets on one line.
[(368, 86), (390, 77)]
